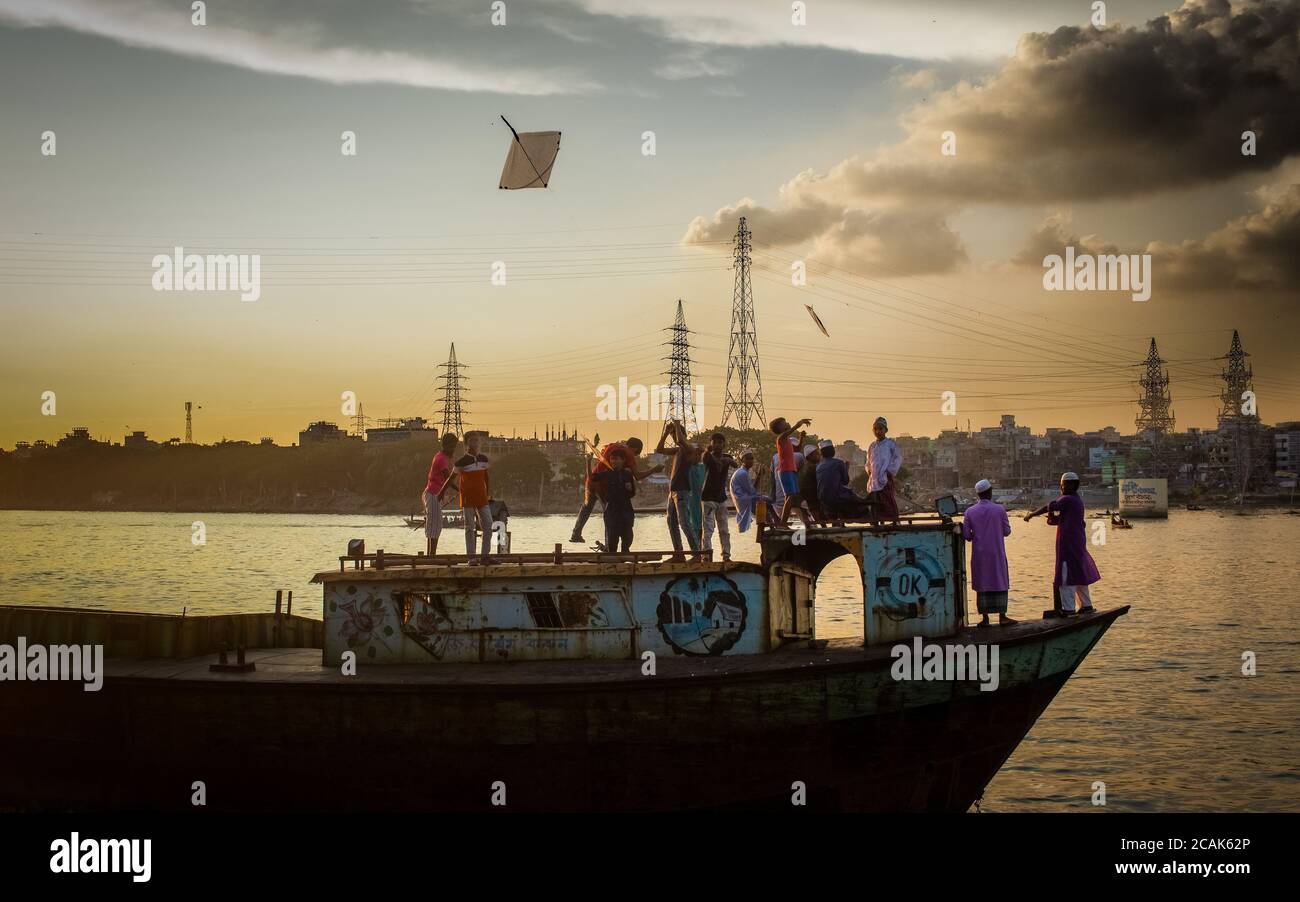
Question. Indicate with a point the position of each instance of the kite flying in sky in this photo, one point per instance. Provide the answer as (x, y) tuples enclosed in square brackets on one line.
[(531, 157), (817, 319)]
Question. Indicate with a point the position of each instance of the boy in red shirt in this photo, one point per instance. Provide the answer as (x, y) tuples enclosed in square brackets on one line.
[(787, 468)]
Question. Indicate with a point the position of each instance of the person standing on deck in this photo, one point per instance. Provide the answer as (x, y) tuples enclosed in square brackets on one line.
[(787, 468), (434, 490), (1075, 568), (679, 488), (884, 460), (631, 453), (617, 485), (778, 492), (717, 464), (986, 527), (695, 506), (471, 473)]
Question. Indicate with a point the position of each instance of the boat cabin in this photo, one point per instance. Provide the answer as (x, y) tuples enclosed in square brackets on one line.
[(389, 608)]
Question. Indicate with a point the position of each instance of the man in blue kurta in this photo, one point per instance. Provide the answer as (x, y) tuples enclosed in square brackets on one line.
[(1075, 569)]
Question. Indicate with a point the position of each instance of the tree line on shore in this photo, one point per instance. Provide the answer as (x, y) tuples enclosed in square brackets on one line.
[(342, 476)]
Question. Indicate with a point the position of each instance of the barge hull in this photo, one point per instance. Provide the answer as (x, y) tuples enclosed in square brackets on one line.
[(700, 735)]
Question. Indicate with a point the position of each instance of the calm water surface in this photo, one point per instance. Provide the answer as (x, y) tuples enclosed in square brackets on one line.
[(1159, 710)]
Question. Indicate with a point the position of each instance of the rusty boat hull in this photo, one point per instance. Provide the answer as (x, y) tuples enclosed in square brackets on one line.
[(593, 735)]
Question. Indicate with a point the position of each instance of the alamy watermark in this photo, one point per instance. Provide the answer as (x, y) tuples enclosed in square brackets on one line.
[(209, 272), (38, 663), (633, 401), (1098, 272), (102, 856), (919, 661)]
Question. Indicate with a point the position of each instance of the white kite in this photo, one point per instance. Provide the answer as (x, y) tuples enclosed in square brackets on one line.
[(531, 157)]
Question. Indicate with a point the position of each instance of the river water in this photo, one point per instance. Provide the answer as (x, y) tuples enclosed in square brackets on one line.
[(1160, 711)]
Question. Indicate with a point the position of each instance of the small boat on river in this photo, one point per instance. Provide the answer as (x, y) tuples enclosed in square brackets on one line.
[(567, 681)]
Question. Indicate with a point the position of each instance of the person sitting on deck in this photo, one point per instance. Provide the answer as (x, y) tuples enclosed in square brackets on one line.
[(837, 499), (787, 468), (744, 494), (884, 460), (617, 486), (435, 489), (986, 527), (471, 474), (631, 453), (1075, 568), (808, 481), (679, 489)]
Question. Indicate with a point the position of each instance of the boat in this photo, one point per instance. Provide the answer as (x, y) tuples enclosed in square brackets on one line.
[(567, 681), (451, 519)]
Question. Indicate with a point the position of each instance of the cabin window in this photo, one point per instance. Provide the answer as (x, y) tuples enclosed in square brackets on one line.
[(542, 606)]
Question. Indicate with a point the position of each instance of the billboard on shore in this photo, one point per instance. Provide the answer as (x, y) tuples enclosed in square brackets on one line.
[(1144, 497)]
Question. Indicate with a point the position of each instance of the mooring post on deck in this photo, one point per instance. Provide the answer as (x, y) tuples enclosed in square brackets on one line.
[(278, 594), (559, 550), (289, 607)]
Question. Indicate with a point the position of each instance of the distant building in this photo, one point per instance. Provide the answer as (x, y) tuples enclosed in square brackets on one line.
[(1286, 447), (320, 432), (267, 440), (400, 429), (139, 441), (79, 437)]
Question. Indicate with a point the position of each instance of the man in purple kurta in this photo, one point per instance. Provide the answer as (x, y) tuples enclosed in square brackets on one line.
[(986, 526), (1075, 568)]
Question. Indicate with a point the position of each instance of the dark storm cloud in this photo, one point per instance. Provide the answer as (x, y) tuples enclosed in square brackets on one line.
[(1076, 115), (1255, 251)]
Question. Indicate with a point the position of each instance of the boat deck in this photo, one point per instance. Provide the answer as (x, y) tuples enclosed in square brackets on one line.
[(303, 666)]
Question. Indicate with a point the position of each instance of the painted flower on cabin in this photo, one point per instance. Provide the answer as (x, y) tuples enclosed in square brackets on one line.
[(363, 619), (426, 623)]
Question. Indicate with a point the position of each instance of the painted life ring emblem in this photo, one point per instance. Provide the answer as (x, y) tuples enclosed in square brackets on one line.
[(702, 615), (910, 576)]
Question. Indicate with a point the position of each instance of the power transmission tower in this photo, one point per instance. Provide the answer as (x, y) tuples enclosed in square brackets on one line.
[(359, 421), (1155, 421), (681, 405), (452, 395), (1240, 448), (189, 422), (742, 402)]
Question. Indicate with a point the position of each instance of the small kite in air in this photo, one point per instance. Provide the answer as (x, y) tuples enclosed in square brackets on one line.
[(531, 157), (817, 319)]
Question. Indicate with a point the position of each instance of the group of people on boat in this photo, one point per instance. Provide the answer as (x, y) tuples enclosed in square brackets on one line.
[(813, 484), (468, 475)]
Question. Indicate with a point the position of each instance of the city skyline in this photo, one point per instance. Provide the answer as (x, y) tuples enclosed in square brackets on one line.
[(925, 267)]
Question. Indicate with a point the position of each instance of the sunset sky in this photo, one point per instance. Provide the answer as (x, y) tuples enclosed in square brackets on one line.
[(926, 268)]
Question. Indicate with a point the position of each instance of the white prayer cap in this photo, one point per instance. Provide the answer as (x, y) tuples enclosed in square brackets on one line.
[(881, 421), (826, 443), (1069, 476), (983, 486), (808, 449)]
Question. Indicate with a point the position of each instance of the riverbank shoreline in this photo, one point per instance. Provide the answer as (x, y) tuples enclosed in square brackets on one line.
[(383, 508)]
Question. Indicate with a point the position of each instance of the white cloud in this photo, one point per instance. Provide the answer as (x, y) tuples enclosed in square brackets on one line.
[(298, 51), (898, 28)]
